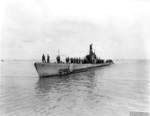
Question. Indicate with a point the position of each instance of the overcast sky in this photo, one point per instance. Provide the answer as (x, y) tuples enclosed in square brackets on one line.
[(117, 28)]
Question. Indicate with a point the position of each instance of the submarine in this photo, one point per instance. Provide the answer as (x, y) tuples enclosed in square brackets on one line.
[(72, 65)]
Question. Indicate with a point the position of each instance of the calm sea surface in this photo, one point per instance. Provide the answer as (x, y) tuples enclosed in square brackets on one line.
[(115, 90)]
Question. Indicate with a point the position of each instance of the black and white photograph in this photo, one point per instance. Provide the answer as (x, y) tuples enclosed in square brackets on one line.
[(74, 58)]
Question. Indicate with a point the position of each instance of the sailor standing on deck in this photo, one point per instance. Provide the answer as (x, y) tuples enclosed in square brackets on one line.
[(58, 59), (43, 58), (48, 58)]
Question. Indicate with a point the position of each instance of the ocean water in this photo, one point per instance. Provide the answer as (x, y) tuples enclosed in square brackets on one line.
[(115, 90)]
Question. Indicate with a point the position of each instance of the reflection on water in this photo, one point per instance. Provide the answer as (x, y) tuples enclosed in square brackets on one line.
[(116, 90), (51, 84), (67, 93)]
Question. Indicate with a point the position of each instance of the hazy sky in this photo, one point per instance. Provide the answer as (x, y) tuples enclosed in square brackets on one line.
[(117, 28)]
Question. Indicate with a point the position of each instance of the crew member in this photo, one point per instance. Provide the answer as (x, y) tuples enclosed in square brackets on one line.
[(48, 58), (58, 59), (43, 58)]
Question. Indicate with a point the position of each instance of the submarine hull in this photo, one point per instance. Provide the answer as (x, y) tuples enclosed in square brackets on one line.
[(58, 69)]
